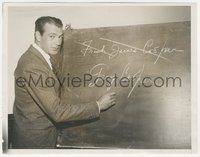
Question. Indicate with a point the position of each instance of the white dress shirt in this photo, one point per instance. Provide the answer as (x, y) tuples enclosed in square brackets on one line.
[(43, 53)]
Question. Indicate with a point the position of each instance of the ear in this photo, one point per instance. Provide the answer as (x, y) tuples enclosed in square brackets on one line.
[(38, 36)]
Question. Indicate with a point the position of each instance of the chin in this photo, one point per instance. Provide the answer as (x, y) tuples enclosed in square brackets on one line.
[(54, 52)]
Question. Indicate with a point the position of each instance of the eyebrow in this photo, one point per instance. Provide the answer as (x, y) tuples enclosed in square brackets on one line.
[(56, 34)]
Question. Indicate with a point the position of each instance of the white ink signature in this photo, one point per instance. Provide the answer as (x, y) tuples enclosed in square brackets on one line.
[(149, 48), (98, 71)]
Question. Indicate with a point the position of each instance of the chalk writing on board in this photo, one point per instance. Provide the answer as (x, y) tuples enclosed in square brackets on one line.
[(155, 54), (148, 48), (98, 71)]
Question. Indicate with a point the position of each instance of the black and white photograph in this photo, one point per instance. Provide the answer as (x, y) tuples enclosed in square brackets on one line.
[(99, 76)]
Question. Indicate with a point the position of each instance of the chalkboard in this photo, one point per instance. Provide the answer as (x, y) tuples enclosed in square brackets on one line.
[(152, 111)]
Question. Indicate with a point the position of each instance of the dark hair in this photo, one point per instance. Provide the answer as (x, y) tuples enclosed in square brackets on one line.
[(40, 22)]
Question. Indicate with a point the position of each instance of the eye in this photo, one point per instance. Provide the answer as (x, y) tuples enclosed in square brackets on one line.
[(61, 37), (52, 36)]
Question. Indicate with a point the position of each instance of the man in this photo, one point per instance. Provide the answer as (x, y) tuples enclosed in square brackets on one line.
[(37, 107)]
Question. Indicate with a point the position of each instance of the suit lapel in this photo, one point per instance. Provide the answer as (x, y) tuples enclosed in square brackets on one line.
[(39, 55), (50, 73)]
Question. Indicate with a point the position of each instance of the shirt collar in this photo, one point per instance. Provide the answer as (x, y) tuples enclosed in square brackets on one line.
[(43, 53)]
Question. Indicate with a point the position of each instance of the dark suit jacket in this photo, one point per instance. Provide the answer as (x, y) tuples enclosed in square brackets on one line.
[(37, 106)]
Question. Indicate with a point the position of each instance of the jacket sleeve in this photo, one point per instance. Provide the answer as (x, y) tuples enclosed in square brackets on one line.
[(47, 99)]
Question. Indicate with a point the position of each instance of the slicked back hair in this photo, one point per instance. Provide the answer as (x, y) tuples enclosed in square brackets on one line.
[(40, 22)]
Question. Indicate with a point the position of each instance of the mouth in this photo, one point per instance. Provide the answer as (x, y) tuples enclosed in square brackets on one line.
[(55, 49)]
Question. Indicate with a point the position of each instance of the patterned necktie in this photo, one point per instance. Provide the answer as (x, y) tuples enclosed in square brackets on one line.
[(56, 70), (55, 67)]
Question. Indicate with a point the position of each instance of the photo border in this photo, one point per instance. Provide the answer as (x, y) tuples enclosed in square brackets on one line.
[(96, 151)]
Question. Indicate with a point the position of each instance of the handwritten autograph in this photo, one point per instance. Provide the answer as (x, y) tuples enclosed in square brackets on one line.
[(149, 48), (99, 69)]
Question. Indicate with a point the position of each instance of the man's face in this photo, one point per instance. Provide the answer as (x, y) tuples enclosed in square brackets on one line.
[(51, 39)]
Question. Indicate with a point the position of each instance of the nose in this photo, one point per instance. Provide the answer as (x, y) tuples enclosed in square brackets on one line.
[(58, 41)]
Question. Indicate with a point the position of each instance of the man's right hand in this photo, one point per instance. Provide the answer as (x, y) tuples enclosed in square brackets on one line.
[(106, 101)]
